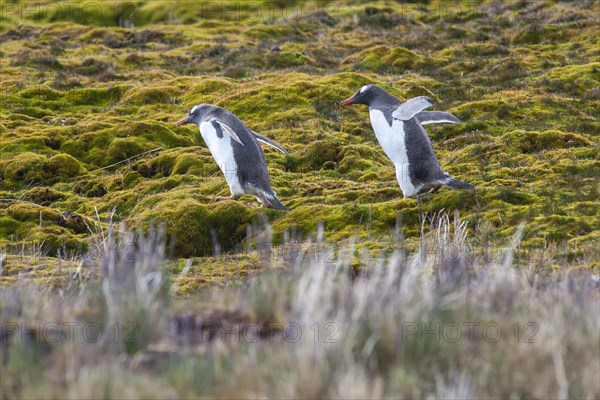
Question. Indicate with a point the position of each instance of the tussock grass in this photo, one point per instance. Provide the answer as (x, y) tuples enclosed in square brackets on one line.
[(312, 321)]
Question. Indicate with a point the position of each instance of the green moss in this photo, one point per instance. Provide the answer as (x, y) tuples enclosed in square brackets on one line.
[(384, 59), (62, 166), (123, 148), (576, 79), (163, 164), (194, 225), (191, 164), (151, 95), (357, 160), (369, 176), (92, 66), (261, 31), (100, 14), (8, 226), (286, 59), (43, 92), (43, 196), (158, 133), (90, 188), (527, 97), (33, 213), (419, 90), (130, 179), (35, 144), (478, 108), (515, 197), (531, 142), (537, 33), (30, 168), (315, 155), (32, 111), (94, 96)]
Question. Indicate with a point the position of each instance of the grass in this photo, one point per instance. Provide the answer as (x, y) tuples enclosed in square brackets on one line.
[(314, 319), (84, 99), (109, 234)]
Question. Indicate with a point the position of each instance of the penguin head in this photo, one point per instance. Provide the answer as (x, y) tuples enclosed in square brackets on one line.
[(194, 116), (364, 95)]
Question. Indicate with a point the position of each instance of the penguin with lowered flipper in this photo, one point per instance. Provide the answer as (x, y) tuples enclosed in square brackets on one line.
[(235, 148)]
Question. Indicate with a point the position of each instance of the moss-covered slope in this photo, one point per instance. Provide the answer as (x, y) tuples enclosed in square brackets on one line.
[(83, 91)]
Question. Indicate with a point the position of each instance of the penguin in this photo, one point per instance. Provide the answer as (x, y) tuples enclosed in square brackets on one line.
[(399, 130), (236, 151)]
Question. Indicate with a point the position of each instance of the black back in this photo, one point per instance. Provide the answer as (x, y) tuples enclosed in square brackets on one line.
[(423, 165)]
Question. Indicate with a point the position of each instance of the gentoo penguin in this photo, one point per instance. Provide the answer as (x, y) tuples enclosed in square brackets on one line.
[(398, 128), (235, 148)]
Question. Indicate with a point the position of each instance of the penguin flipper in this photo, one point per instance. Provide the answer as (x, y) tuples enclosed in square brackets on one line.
[(269, 142), (227, 130), (410, 108), (436, 117)]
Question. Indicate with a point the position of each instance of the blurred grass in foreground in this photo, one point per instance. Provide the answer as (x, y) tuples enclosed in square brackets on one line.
[(313, 323)]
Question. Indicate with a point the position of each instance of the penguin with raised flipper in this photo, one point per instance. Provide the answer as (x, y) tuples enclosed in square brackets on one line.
[(398, 128)]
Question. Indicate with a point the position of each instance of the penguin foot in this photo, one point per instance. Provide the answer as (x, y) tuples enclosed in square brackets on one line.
[(423, 196)]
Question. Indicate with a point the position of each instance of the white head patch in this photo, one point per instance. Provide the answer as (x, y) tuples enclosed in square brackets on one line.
[(364, 89), (193, 109)]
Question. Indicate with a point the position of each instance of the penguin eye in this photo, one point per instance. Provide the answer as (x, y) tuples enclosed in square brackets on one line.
[(363, 89)]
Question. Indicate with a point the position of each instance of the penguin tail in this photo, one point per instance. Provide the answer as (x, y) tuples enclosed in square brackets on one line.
[(454, 183), (274, 202)]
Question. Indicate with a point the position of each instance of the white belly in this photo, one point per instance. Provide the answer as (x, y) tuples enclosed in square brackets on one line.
[(391, 139), (222, 151)]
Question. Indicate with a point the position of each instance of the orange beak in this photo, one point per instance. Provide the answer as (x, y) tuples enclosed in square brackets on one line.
[(183, 121), (349, 100)]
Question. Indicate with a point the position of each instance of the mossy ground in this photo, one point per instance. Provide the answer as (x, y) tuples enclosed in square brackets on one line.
[(80, 93)]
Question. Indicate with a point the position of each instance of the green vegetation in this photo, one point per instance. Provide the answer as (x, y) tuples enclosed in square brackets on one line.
[(121, 277), (83, 89), (76, 100)]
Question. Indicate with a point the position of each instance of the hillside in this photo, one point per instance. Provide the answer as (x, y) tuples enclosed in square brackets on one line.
[(84, 90), (120, 277)]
